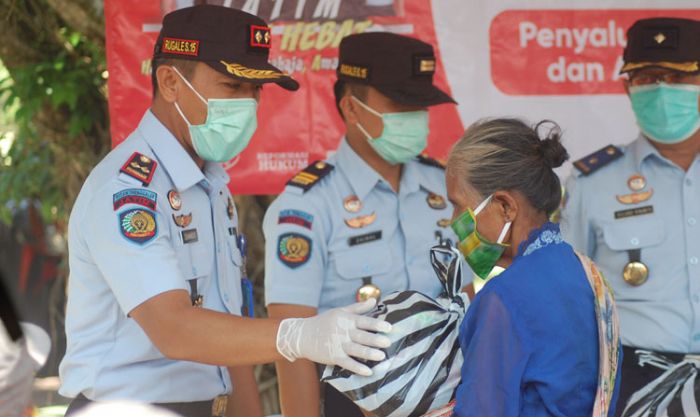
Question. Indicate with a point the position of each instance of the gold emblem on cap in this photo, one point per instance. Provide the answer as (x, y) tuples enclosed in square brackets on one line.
[(174, 200), (368, 291), (436, 201), (636, 182), (320, 165), (660, 38), (635, 198), (635, 273), (352, 204), (427, 65), (361, 221)]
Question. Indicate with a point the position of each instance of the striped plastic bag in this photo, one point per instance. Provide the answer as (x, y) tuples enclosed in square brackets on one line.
[(424, 361), (676, 393)]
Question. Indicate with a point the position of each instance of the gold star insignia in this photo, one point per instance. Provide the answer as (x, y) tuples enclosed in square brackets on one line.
[(258, 36), (267, 37), (660, 38)]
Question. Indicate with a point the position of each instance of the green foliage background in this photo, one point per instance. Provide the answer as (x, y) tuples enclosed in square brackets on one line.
[(54, 102)]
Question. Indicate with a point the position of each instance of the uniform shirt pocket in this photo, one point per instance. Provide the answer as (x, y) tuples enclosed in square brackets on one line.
[(619, 239), (194, 259), (625, 235), (356, 263)]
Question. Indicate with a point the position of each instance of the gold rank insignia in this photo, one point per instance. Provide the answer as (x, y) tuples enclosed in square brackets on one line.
[(598, 159), (140, 167), (660, 38), (436, 202), (424, 65), (361, 221), (260, 36), (352, 204), (311, 175)]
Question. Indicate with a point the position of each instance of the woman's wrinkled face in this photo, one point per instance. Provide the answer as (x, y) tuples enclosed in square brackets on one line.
[(489, 222)]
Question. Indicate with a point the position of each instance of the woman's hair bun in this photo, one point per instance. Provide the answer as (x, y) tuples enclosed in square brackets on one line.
[(550, 148)]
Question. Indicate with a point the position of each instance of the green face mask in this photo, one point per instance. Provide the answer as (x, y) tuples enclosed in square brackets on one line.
[(405, 134), (227, 131), (666, 113), (480, 254)]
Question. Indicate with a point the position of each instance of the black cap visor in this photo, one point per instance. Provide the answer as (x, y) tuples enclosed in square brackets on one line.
[(422, 95), (258, 73), (688, 67)]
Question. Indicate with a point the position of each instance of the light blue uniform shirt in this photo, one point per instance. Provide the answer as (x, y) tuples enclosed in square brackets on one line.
[(662, 314), (393, 250), (108, 355)]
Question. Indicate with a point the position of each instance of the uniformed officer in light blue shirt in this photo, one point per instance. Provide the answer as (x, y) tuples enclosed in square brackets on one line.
[(156, 267), (361, 223), (635, 210)]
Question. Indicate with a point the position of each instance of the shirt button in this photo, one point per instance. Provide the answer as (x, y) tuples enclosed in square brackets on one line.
[(696, 298), (226, 297), (688, 182), (696, 337), (692, 221), (634, 241), (693, 260)]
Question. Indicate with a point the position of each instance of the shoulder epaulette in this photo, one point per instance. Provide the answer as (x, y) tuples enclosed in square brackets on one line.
[(598, 159), (311, 175), (140, 167), (426, 160)]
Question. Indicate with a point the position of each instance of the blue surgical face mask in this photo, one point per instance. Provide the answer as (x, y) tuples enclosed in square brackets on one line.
[(227, 131), (405, 134), (666, 113)]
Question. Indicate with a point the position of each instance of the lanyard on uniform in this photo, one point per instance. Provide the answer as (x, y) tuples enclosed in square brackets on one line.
[(247, 309)]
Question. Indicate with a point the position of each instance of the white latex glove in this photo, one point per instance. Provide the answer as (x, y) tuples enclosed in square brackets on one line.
[(333, 337)]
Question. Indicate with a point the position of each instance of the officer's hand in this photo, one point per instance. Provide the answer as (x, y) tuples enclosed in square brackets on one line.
[(333, 337)]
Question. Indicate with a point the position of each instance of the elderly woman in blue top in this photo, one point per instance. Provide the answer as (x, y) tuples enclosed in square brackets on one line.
[(541, 339)]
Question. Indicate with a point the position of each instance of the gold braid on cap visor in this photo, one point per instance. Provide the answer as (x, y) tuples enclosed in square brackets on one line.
[(244, 72), (678, 66)]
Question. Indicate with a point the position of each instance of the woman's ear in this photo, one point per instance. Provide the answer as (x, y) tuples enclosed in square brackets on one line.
[(507, 204)]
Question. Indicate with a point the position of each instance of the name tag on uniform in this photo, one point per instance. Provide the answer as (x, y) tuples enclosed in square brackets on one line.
[(621, 214), (366, 238), (189, 236)]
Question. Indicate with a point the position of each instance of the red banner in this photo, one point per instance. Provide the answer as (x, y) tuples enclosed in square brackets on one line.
[(573, 51), (294, 129)]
